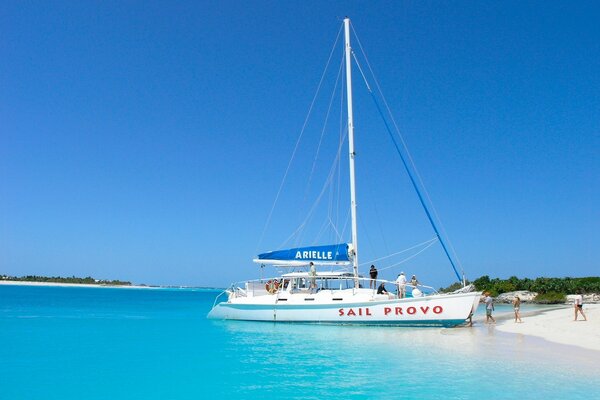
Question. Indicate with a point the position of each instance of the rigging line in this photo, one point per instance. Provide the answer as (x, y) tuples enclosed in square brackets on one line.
[(402, 251), (416, 187), (321, 194), (326, 184), (321, 232), (332, 98), (408, 258), (337, 233), (312, 171), (299, 138), (420, 179), (407, 168), (374, 205), (414, 166)]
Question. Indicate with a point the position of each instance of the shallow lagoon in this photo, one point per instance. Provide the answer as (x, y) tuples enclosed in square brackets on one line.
[(97, 343)]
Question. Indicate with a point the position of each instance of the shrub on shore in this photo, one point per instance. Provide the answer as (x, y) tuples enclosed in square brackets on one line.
[(550, 298), (59, 279), (549, 289)]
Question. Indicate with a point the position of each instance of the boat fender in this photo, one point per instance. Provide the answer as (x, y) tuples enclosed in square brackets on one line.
[(417, 293)]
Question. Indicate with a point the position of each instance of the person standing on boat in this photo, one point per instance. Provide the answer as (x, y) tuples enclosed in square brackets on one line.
[(489, 307), (401, 282), (313, 275), (413, 281), (373, 274)]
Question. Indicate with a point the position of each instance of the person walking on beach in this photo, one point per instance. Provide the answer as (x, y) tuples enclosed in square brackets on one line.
[(517, 307), (401, 282), (373, 274), (579, 306), (489, 307)]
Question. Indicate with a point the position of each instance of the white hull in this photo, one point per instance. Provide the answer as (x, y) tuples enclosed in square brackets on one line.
[(360, 307)]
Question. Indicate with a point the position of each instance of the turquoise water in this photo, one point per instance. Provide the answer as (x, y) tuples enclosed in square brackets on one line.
[(99, 343)]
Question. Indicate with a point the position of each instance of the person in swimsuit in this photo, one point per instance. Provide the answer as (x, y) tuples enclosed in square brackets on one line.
[(413, 281), (579, 306), (517, 307)]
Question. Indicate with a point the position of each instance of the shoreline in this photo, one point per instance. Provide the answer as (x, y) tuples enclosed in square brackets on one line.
[(556, 325), (31, 283), (92, 285)]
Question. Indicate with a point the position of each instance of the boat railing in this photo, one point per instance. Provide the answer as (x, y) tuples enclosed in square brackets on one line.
[(273, 285), (218, 296), (375, 283)]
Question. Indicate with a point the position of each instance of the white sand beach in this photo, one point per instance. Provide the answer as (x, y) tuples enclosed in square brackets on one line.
[(558, 326)]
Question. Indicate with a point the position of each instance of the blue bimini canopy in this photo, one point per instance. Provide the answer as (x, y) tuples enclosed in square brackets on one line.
[(335, 254)]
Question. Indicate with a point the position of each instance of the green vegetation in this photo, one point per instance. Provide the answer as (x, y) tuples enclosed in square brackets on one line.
[(550, 298), (550, 290), (58, 279)]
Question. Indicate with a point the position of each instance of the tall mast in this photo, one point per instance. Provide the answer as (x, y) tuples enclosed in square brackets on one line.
[(348, 51)]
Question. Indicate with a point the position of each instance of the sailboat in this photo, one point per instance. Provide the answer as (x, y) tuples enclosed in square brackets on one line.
[(339, 296)]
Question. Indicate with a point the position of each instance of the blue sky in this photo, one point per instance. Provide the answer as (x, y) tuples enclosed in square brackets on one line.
[(146, 141)]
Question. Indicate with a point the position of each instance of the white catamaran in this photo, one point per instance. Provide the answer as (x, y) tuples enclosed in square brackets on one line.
[(340, 296)]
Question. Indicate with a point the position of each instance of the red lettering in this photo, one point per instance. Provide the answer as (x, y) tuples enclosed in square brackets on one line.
[(424, 309), (360, 311), (368, 312), (398, 310), (438, 309), (341, 312), (411, 310), (387, 310), (351, 312)]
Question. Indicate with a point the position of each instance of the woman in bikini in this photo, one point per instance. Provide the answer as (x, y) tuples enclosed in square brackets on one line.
[(579, 306), (517, 307)]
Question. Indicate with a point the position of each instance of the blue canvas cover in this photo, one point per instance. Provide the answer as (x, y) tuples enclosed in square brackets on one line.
[(316, 254)]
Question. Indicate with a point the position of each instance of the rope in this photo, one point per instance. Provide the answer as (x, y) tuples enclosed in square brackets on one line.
[(299, 138), (409, 258), (412, 163), (430, 241), (406, 166)]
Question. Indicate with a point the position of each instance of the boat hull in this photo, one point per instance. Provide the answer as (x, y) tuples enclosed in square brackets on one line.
[(435, 310)]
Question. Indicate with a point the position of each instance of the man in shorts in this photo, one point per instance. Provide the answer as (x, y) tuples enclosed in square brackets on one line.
[(373, 275), (489, 307), (401, 283)]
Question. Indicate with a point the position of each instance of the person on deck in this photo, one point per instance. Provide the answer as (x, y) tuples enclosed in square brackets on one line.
[(413, 281), (401, 282), (313, 276), (373, 274), (381, 289)]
